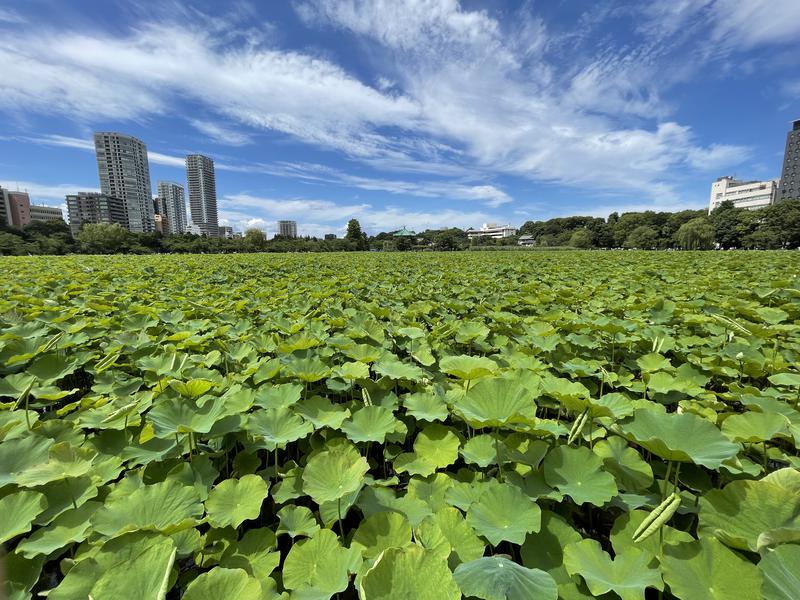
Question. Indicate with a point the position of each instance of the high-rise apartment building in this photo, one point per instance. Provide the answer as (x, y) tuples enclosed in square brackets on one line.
[(91, 207), (202, 193), (125, 174), (15, 208), (173, 202), (287, 229), (790, 177), (743, 194)]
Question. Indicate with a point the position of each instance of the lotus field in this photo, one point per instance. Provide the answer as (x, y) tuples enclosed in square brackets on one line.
[(401, 426)]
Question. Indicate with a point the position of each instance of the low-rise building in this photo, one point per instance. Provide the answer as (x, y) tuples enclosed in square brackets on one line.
[(91, 207), (330, 236), (743, 194), (226, 232), (492, 230), (40, 212), (526, 240)]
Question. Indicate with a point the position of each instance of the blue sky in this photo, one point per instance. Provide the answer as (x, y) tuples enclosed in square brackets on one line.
[(424, 113)]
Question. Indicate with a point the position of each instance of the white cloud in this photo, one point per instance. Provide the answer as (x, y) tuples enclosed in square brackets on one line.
[(220, 134), (44, 191), (8, 15)]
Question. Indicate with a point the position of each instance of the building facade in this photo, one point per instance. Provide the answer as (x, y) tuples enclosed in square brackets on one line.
[(46, 213), (287, 229), (91, 207), (790, 175), (202, 193), (743, 194), (125, 174), (492, 230), (226, 232), (16, 208), (174, 205)]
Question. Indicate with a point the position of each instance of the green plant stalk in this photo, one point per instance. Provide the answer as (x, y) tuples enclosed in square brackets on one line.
[(497, 455)]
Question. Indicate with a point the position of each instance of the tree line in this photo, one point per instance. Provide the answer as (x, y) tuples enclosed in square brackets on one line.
[(774, 227)]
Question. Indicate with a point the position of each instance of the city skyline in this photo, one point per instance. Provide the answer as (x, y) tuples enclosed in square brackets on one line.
[(459, 114)]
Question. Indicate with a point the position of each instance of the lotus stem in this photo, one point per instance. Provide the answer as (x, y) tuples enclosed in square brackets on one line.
[(497, 454), (339, 516), (666, 481)]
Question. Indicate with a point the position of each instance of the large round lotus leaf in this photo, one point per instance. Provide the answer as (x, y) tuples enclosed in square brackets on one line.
[(220, 583), (194, 388), (320, 564), (707, 569), (183, 415), (628, 574), (297, 521), (18, 511), (435, 447), (432, 489), (425, 406), (64, 460), (321, 412), (69, 527), (60, 496), (408, 573), (277, 427), (615, 405), (351, 371), (785, 379), (334, 473), (377, 499), (381, 531), (391, 367), (234, 501), (624, 463), (255, 553), (308, 369), (481, 450), (780, 569), (504, 513), (19, 455), (278, 396), (167, 506), (578, 473), (680, 437), (627, 524), (545, 548), (494, 402), (745, 510), (370, 424), (467, 367), (144, 576), (21, 574), (497, 578), (448, 532), (755, 426)]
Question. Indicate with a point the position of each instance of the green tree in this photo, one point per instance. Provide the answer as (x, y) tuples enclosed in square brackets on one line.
[(581, 238), (353, 230), (254, 240), (697, 234), (642, 237), (102, 238)]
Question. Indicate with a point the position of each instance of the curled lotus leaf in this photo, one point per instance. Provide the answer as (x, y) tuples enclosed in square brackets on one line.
[(468, 367), (498, 578)]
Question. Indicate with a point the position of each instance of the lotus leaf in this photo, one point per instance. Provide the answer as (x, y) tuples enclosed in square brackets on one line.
[(297, 521), (504, 513), (628, 574), (497, 578), (146, 576), (680, 437), (279, 396), (69, 527), (627, 524), (707, 569), (19, 510), (334, 473), (381, 531), (578, 473), (254, 553), (624, 463), (234, 501), (436, 446), (494, 402), (447, 532), (425, 407), (755, 427), (320, 564), (321, 412), (194, 388), (224, 583), (410, 572), (468, 367), (780, 569), (277, 427), (64, 460), (370, 424), (545, 549)]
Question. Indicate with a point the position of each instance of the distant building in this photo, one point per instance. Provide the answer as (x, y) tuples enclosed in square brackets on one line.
[(403, 232), (492, 230), (91, 207), (161, 223), (226, 232), (287, 229), (790, 176), (202, 193), (526, 240), (193, 229), (15, 208), (46, 213), (330, 236), (174, 205), (125, 174), (743, 194)]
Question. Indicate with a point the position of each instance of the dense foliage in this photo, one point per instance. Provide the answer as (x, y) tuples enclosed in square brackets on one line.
[(497, 425), (775, 227)]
